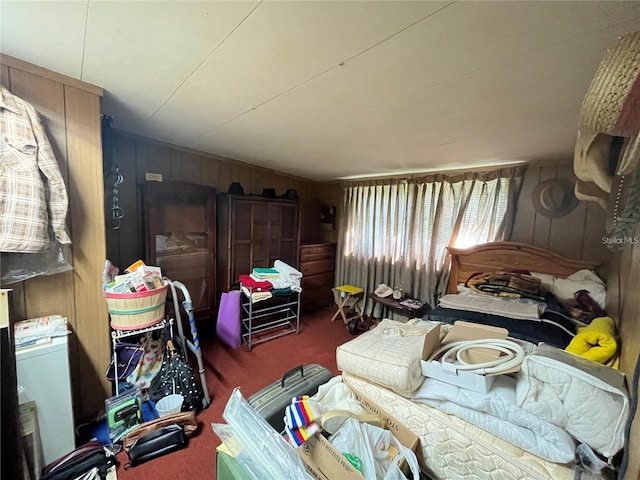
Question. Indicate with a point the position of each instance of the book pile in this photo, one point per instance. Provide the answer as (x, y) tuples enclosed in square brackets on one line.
[(412, 303), (36, 331), (138, 277)]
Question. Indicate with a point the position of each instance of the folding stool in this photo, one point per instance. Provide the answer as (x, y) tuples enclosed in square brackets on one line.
[(349, 301)]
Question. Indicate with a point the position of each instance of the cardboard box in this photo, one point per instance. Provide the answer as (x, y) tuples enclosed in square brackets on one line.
[(324, 462), (447, 372)]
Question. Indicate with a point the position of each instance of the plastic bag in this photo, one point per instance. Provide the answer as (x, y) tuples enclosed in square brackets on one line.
[(17, 267), (371, 445), (256, 445)]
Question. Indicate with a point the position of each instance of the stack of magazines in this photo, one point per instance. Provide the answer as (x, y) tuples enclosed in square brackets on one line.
[(412, 303), (36, 331)]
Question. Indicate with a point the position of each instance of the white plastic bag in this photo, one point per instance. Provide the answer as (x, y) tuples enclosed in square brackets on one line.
[(371, 445)]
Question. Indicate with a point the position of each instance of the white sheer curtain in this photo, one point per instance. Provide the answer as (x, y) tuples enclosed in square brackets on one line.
[(396, 231)]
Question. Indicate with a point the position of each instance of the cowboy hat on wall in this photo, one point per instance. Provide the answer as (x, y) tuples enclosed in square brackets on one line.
[(554, 198)]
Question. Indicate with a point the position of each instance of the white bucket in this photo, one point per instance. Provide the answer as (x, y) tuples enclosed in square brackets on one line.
[(169, 404)]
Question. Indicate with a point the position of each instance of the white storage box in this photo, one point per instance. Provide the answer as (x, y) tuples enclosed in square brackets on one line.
[(447, 372)]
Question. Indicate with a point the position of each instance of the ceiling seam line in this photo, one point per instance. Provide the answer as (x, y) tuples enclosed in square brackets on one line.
[(473, 72), (422, 90), (342, 62), (403, 29), (84, 40), (203, 62), (313, 77)]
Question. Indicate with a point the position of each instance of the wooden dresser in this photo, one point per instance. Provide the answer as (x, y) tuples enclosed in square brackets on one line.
[(317, 264)]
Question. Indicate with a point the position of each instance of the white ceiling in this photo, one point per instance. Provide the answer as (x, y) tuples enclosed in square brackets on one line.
[(327, 90)]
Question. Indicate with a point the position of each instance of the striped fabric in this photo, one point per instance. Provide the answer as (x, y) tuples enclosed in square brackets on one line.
[(33, 197)]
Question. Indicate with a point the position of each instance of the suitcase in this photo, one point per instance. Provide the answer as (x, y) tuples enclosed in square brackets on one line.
[(270, 402)]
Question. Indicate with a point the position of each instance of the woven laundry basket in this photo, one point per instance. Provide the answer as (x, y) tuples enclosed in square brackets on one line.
[(130, 311)]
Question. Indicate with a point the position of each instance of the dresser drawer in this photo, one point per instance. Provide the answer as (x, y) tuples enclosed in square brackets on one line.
[(318, 266), (316, 252), (319, 280), (317, 297)]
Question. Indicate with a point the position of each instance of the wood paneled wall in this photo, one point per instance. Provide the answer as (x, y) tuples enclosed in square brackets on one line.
[(577, 235), (138, 156), (331, 194), (623, 303), (70, 111)]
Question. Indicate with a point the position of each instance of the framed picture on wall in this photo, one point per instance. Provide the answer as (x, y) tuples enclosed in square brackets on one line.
[(328, 217)]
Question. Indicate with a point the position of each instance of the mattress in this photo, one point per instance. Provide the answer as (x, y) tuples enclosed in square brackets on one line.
[(453, 449), (388, 355), (551, 328), (588, 400)]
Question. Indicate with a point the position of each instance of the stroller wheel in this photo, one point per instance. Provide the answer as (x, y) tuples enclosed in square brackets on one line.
[(353, 326)]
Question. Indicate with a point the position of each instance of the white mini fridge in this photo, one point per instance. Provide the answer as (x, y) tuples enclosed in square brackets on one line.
[(43, 373)]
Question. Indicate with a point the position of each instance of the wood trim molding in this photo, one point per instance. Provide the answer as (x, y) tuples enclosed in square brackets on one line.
[(50, 74)]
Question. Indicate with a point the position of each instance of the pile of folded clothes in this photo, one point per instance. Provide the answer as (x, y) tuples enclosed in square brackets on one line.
[(264, 283)]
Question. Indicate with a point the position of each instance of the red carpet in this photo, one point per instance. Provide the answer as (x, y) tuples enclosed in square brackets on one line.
[(228, 368)]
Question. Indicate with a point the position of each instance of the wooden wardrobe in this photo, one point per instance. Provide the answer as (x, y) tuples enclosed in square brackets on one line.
[(179, 231), (254, 232)]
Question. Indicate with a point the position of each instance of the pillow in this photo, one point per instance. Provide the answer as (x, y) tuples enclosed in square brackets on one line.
[(565, 288), (546, 280)]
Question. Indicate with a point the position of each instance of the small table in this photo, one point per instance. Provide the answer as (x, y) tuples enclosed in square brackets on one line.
[(390, 302), (348, 299)]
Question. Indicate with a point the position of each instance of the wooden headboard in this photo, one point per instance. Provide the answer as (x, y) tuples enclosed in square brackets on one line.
[(496, 256)]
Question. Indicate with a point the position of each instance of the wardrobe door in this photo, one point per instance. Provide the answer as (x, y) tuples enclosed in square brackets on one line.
[(284, 234), (260, 232), (254, 232), (180, 238)]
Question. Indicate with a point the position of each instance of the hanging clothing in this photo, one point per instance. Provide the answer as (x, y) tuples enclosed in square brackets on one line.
[(33, 197)]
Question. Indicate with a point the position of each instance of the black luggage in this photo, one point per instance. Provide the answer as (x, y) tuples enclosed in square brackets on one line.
[(270, 402), (89, 457)]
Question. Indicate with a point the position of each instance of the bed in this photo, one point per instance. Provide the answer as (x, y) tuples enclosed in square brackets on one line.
[(549, 326), (452, 448)]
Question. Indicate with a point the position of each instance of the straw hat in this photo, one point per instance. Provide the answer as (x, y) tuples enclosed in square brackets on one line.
[(612, 102), (554, 198)]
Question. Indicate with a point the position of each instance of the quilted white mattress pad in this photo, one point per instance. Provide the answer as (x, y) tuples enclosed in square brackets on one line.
[(588, 400), (452, 449), (388, 355)]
